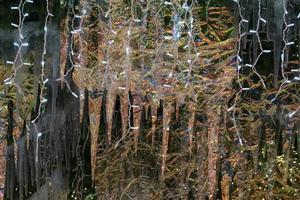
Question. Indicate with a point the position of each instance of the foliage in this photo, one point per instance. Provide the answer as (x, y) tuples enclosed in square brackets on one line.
[(165, 111)]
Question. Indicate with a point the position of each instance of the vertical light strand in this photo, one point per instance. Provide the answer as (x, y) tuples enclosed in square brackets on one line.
[(43, 80), (238, 68), (189, 23), (240, 64), (17, 63), (76, 33), (127, 66), (75, 53), (283, 57)]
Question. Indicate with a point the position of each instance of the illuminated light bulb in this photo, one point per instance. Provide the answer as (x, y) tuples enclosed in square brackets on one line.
[(76, 31), (169, 54), (14, 25), (290, 43), (297, 78), (7, 82), (263, 20), (246, 89), (266, 51), (127, 49), (292, 114), (74, 94), (121, 88), (295, 70), (182, 22), (230, 109), (134, 128), (106, 14), (185, 7), (10, 62), (239, 58), (44, 100)]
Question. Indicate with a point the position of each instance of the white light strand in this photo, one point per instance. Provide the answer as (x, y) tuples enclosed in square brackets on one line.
[(238, 65), (17, 63), (191, 42), (76, 34), (43, 81), (43, 61), (284, 51), (127, 65)]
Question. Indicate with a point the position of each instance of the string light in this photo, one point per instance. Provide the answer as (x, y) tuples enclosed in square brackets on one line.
[(76, 34), (162, 40), (283, 52), (17, 63)]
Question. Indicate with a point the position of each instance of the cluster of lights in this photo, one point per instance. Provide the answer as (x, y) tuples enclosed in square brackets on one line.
[(262, 51), (184, 10), (76, 33), (280, 159), (283, 52), (178, 23), (18, 63), (43, 81)]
